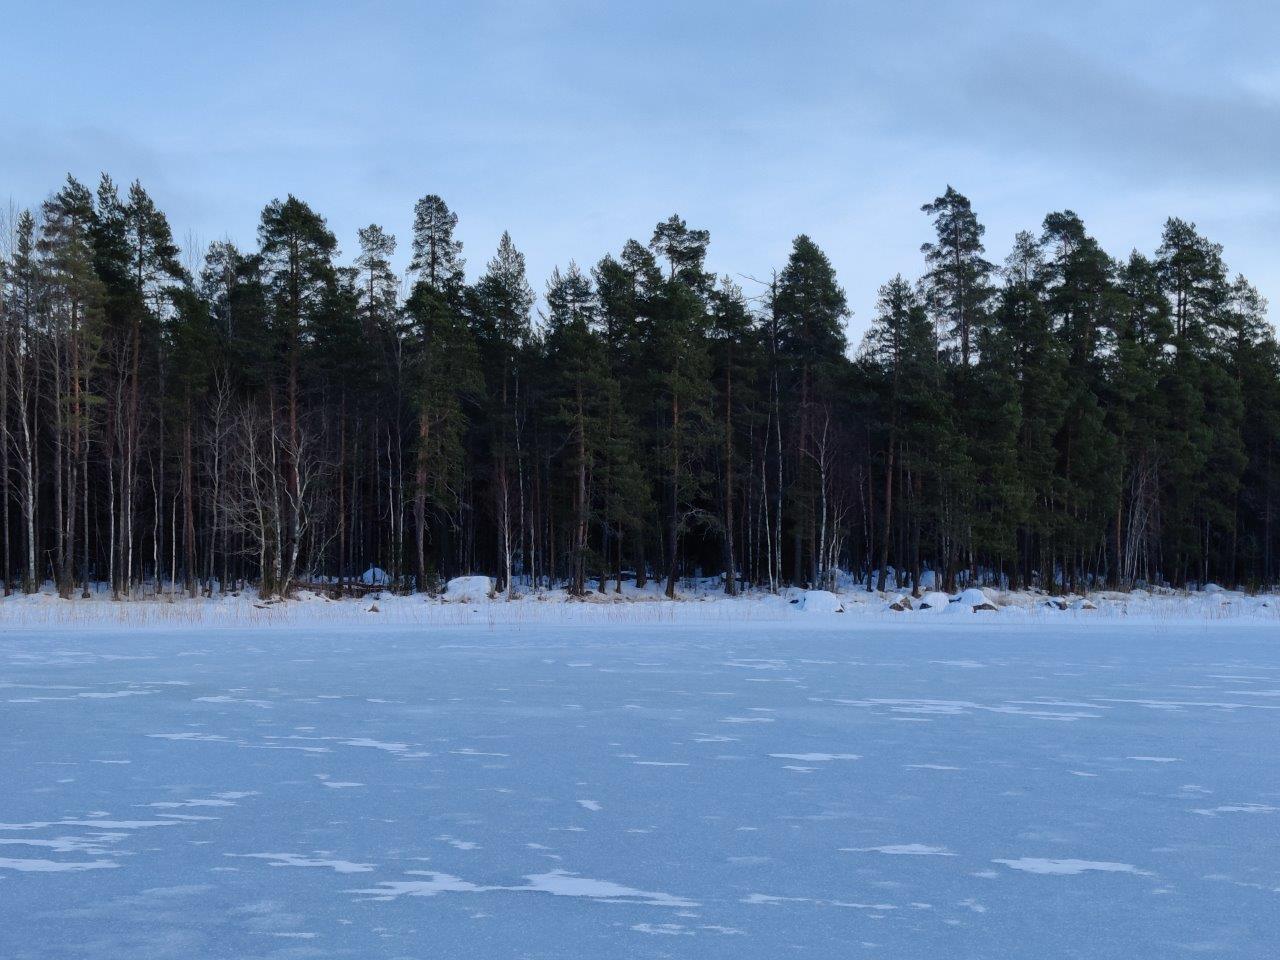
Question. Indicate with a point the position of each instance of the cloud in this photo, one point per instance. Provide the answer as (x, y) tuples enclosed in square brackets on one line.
[(1040, 98)]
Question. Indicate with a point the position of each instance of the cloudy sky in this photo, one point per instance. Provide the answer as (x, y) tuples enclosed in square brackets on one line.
[(576, 125)]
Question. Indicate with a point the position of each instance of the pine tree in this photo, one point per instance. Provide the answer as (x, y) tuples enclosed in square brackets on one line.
[(1193, 279), (137, 253), (1039, 369), (297, 250), (889, 345), (580, 398), (1139, 419), (75, 296), (378, 285), (1192, 276), (503, 335), (958, 282), (675, 348), (437, 256), (1255, 361), (808, 308), (1086, 307), (624, 288), (435, 307), (240, 302), (913, 425), (447, 380), (736, 362)]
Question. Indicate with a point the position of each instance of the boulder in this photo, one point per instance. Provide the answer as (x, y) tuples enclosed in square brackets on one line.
[(819, 601), (467, 589), (933, 600), (974, 599)]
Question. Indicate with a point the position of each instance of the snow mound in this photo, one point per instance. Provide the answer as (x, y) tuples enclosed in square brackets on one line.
[(1083, 604), (819, 601), (974, 599), (467, 589), (934, 600)]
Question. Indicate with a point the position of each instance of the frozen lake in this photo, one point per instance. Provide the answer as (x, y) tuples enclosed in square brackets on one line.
[(956, 790)]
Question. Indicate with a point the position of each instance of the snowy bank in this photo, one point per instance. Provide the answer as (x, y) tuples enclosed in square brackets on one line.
[(470, 600)]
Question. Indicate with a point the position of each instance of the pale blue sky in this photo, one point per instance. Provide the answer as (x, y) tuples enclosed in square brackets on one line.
[(576, 125)]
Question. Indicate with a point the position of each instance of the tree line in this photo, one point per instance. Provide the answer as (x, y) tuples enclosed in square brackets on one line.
[(279, 417)]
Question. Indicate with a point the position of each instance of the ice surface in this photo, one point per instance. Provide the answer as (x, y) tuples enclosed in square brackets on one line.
[(964, 786)]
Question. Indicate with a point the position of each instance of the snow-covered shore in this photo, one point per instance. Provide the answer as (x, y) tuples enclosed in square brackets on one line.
[(697, 604)]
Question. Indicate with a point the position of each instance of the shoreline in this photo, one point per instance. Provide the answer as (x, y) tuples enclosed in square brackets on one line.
[(790, 608)]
